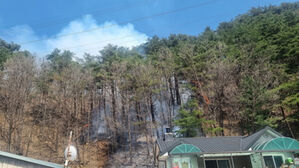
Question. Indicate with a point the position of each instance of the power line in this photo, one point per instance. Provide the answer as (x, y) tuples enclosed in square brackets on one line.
[(124, 37), (100, 12), (115, 39), (125, 22)]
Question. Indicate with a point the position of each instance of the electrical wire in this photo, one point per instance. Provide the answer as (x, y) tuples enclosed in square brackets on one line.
[(117, 39), (125, 22), (94, 13), (124, 37)]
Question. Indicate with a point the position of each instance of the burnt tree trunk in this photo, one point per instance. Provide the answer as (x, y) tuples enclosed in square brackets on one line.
[(114, 115), (123, 109), (152, 109), (177, 91), (138, 111), (113, 103), (171, 91)]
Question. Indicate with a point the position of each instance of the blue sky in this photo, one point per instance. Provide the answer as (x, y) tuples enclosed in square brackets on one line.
[(42, 25)]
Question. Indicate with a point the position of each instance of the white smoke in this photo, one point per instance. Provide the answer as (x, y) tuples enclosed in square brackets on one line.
[(91, 38)]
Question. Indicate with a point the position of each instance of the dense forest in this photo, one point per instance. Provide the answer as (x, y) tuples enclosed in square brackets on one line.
[(231, 81)]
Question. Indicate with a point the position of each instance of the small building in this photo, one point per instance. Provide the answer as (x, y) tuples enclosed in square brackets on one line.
[(263, 149), (9, 160)]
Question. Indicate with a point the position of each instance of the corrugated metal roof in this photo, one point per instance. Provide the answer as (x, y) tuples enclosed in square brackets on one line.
[(215, 144), (30, 160)]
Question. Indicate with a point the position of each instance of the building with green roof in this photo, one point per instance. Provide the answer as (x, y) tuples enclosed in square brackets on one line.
[(263, 149)]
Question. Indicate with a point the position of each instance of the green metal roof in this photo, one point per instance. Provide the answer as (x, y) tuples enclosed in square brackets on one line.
[(281, 143), (185, 149), (30, 160)]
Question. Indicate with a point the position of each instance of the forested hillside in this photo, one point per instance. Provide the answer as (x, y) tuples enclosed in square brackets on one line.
[(231, 81)]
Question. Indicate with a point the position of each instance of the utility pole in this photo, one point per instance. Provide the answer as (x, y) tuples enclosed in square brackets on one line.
[(68, 154)]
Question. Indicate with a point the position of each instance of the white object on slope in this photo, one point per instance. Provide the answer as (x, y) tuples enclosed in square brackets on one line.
[(70, 153)]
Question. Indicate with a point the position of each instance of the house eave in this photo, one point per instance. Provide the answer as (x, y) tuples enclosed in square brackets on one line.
[(233, 153), (30, 160)]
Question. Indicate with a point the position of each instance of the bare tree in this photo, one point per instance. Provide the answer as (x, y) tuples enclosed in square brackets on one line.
[(16, 88)]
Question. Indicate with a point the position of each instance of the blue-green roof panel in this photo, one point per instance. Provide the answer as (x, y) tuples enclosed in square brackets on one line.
[(185, 149), (282, 143)]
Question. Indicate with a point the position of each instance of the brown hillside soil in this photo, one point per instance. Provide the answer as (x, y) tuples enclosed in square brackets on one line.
[(90, 155)]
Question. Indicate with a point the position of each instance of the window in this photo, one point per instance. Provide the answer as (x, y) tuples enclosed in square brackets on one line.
[(273, 161), (217, 163), (223, 164), (269, 161), (211, 164), (181, 162), (278, 161)]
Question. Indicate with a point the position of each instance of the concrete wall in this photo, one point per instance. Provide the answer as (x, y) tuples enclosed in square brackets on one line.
[(256, 160), (6, 162), (200, 162), (194, 162)]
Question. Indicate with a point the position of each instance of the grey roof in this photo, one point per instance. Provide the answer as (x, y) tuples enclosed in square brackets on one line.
[(250, 140), (30, 160), (215, 144)]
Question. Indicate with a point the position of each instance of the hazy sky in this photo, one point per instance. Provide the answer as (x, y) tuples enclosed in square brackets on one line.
[(87, 26)]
